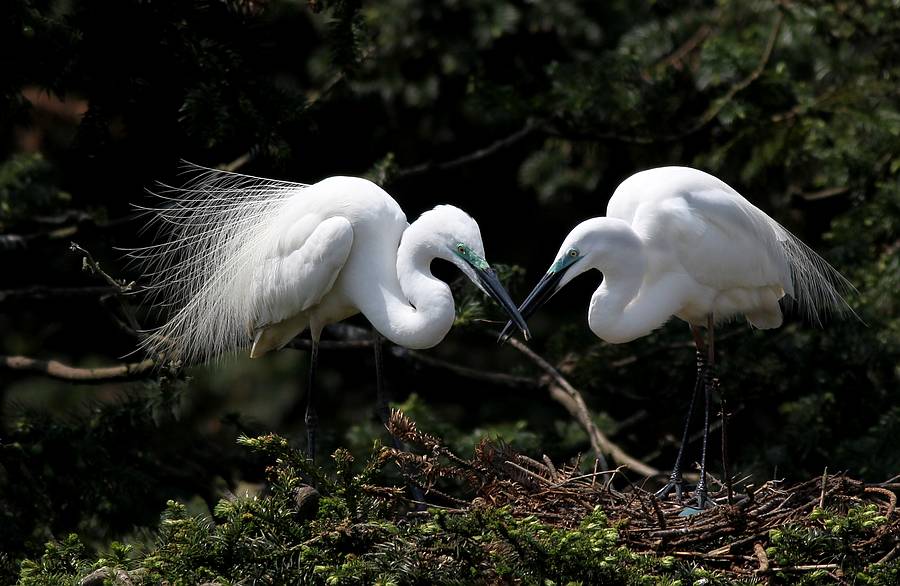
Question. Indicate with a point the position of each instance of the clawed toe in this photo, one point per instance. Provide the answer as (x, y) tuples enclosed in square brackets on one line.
[(665, 491), (701, 500)]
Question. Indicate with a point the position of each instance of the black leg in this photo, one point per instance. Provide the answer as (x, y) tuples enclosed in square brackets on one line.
[(381, 402), (710, 382), (700, 493), (311, 418), (675, 479)]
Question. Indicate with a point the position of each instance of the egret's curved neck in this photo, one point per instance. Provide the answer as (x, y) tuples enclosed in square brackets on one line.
[(620, 311), (421, 313)]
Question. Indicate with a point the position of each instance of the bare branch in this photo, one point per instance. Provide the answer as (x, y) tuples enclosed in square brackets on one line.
[(497, 378), (676, 58), (58, 370), (120, 285), (568, 396), (529, 127), (42, 293), (89, 264)]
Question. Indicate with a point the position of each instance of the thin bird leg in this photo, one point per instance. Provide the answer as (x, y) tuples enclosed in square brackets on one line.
[(311, 418), (724, 407), (675, 479), (710, 383), (381, 402), (381, 406)]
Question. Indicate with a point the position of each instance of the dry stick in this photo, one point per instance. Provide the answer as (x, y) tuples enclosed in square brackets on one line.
[(760, 552), (677, 56), (889, 555), (803, 568), (529, 127), (42, 293), (892, 498), (58, 370), (569, 397), (121, 286), (498, 378), (89, 264)]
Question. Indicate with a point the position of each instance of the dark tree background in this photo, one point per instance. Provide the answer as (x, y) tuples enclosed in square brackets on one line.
[(526, 115)]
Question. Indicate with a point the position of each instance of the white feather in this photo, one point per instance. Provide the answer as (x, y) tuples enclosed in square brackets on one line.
[(213, 232)]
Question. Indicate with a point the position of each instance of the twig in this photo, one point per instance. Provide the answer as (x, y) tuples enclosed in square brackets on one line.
[(823, 193), (58, 370), (889, 555), (676, 57), (529, 127), (41, 293), (760, 552), (593, 476), (804, 568), (530, 473), (120, 285), (89, 264), (824, 483), (892, 498), (564, 393), (498, 378)]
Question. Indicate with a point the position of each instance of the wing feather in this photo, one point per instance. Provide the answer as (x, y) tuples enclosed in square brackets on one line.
[(726, 242)]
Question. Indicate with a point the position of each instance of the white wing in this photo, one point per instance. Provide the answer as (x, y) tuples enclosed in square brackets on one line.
[(725, 242), (723, 245), (289, 284)]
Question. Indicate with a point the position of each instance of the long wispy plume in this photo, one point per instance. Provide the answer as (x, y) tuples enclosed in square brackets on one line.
[(817, 288), (211, 236)]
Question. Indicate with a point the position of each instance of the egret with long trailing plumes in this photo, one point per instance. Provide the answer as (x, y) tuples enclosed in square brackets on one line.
[(248, 262), (679, 242)]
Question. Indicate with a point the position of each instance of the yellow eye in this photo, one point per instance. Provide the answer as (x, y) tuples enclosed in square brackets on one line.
[(573, 253), (461, 247)]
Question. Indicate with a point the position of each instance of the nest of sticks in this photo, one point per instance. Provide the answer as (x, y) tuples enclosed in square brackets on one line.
[(731, 536)]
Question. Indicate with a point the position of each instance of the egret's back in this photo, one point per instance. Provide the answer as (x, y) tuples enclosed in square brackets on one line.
[(221, 237), (723, 241)]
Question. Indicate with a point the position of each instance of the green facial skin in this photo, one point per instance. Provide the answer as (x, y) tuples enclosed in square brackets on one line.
[(465, 253), (566, 260)]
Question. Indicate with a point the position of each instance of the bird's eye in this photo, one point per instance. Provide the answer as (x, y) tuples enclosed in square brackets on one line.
[(461, 247), (572, 252)]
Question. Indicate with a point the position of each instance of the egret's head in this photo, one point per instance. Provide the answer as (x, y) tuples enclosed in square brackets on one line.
[(595, 243), (451, 234)]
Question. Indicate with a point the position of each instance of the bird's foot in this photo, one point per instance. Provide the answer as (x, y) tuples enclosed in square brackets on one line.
[(701, 500), (676, 484)]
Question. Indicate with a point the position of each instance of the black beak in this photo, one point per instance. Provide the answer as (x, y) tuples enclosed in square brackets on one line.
[(494, 288), (542, 292)]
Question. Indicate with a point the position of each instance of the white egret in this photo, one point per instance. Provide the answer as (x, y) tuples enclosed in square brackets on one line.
[(679, 242), (253, 262)]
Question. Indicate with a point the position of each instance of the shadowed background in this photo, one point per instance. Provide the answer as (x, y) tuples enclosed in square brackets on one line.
[(526, 115)]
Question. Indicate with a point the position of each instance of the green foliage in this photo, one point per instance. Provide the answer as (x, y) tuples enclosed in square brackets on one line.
[(27, 190), (101, 473), (835, 538), (357, 537)]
